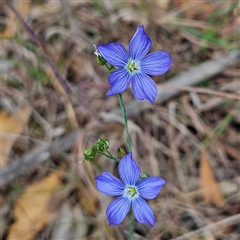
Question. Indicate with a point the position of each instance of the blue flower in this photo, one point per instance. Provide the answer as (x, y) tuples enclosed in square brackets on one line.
[(131, 192), (136, 66)]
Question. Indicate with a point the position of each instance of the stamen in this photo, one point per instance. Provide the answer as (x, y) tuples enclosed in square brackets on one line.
[(132, 66), (130, 192)]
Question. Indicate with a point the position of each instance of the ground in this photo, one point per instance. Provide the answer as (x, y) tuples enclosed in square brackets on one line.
[(54, 107)]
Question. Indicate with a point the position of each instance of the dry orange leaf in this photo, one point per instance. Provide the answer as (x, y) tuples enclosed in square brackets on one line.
[(208, 184), (23, 7), (87, 195), (10, 27), (163, 5), (87, 200), (11, 127), (11, 24), (33, 208)]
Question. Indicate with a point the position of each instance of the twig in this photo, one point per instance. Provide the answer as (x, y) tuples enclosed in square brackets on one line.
[(35, 157), (201, 90), (191, 77), (214, 227)]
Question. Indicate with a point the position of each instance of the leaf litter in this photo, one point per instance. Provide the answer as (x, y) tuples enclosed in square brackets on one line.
[(58, 197)]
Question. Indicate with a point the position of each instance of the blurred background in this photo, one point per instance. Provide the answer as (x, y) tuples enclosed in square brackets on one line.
[(54, 106)]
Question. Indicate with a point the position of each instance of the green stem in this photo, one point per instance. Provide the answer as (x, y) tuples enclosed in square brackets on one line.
[(125, 121), (110, 156), (132, 226), (110, 67)]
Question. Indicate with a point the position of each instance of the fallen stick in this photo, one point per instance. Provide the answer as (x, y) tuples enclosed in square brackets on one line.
[(35, 157)]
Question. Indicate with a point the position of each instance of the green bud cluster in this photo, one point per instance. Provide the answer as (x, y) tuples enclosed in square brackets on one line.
[(100, 147)]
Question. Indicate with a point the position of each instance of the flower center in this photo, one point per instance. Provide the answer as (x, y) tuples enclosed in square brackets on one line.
[(130, 192), (133, 66)]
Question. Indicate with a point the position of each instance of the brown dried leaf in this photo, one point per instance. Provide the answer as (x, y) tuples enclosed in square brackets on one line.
[(23, 7), (208, 184), (163, 5), (11, 25), (87, 195), (87, 200), (11, 127), (32, 210)]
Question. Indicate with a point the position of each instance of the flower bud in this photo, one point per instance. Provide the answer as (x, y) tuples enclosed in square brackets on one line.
[(121, 152), (102, 144), (101, 60), (89, 154)]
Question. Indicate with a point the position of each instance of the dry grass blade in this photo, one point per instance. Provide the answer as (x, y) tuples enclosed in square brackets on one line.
[(202, 90), (212, 227), (64, 97), (208, 183), (233, 152), (74, 26), (196, 121)]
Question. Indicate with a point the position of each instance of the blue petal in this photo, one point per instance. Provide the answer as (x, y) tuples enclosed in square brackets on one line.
[(129, 170), (150, 187), (140, 44), (144, 87), (119, 80), (142, 211), (156, 63), (114, 53), (109, 184), (117, 210)]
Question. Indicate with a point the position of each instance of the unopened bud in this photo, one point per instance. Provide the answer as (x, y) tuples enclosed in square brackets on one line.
[(89, 154), (121, 152)]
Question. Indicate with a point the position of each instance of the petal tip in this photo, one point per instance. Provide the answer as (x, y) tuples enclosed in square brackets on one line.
[(152, 102), (109, 94)]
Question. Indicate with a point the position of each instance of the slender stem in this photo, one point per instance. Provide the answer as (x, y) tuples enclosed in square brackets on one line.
[(113, 157), (110, 67), (131, 227), (125, 121), (110, 156)]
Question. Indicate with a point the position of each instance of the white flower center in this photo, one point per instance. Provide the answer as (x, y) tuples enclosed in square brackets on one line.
[(130, 192), (133, 66)]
